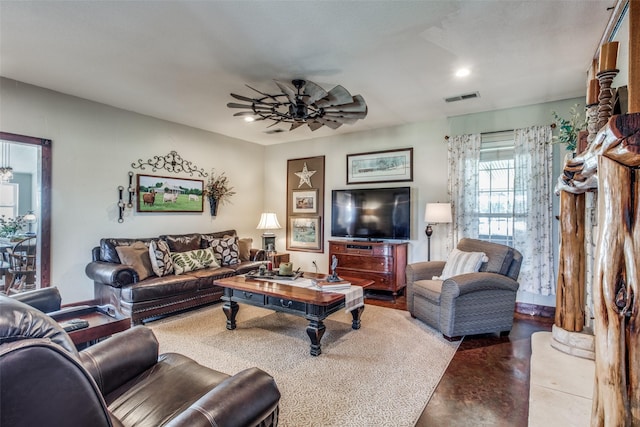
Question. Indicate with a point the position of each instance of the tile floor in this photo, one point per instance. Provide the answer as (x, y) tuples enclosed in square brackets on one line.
[(561, 386)]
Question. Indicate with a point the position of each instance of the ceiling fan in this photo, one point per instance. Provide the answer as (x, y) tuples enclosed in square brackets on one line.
[(303, 102)]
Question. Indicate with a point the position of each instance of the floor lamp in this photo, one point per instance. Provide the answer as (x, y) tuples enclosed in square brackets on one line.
[(435, 213)]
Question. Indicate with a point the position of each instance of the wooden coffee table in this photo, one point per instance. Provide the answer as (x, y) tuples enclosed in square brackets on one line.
[(313, 305)]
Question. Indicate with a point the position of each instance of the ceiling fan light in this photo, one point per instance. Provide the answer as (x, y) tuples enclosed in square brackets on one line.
[(463, 72), (249, 119)]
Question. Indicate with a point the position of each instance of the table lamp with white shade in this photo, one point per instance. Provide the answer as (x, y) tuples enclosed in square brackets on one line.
[(268, 221), (30, 218), (435, 213)]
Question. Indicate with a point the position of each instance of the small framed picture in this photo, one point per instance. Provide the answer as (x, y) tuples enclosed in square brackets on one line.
[(305, 233), (305, 201)]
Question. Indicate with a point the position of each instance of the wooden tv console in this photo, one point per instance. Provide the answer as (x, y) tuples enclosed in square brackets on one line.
[(382, 262)]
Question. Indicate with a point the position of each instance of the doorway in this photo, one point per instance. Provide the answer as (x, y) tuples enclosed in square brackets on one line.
[(32, 188)]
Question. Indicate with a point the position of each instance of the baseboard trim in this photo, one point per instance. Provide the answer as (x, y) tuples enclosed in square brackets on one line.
[(535, 309)]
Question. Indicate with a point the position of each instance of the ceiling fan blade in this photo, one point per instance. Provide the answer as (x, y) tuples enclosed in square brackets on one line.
[(344, 120), (244, 113), (261, 93), (252, 100), (243, 98), (266, 95), (333, 114), (250, 107), (357, 106), (314, 91), (314, 125), (236, 105), (295, 125), (337, 96), (274, 123), (330, 123), (288, 91)]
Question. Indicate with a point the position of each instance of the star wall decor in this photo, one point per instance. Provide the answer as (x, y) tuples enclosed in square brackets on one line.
[(305, 176)]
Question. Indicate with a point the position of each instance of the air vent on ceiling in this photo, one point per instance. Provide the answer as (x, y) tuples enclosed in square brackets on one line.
[(463, 97)]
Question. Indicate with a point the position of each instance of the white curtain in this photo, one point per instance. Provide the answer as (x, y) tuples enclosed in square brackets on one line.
[(532, 208), (464, 157)]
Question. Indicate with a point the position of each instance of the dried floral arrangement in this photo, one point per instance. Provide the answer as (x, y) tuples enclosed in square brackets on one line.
[(218, 187)]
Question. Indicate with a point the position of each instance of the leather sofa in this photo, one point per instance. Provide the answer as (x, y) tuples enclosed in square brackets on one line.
[(120, 285), (121, 381)]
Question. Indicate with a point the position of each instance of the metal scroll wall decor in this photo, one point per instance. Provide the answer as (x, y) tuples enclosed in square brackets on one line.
[(171, 162)]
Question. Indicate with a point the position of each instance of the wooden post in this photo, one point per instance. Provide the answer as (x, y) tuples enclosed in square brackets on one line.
[(634, 56), (616, 400), (570, 284)]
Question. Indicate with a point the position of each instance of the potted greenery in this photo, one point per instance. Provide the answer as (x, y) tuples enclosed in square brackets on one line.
[(217, 190), (10, 227), (568, 129)]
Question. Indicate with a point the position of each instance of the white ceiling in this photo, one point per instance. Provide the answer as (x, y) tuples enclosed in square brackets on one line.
[(179, 60)]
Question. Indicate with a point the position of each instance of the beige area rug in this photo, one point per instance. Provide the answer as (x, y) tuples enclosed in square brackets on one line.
[(380, 375)]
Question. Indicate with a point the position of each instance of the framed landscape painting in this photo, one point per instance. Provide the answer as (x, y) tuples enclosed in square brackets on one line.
[(380, 166), (168, 194), (305, 232), (305, 201)]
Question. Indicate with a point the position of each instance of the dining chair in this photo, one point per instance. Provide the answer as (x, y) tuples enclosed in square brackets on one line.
[(21, 274)]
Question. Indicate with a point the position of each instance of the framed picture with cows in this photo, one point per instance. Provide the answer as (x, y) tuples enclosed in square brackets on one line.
[(169, 194)]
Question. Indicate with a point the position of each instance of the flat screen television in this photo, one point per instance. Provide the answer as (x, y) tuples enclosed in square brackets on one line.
[(371, 213)]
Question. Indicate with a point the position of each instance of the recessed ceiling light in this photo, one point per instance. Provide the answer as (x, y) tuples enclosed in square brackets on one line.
[(249, 119), (463, 72)]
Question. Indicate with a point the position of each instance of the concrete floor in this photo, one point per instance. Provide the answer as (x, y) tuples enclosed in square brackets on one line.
[(488, 381)]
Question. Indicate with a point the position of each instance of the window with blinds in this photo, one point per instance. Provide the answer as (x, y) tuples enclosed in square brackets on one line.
[(8, 199), (496, 187)]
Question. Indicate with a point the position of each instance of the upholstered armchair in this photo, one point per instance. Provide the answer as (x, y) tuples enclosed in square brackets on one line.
[(482, 301), (121, 381)]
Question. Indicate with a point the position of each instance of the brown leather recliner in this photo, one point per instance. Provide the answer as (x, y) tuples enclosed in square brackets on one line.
[(121, 381)]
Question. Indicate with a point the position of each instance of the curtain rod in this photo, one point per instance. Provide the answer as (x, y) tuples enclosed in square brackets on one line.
[(446, 137)]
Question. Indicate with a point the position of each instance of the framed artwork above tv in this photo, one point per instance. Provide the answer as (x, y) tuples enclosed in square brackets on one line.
[(380, 166)]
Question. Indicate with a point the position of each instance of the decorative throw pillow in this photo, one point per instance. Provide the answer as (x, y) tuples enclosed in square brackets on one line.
[(184, 262), (137, 257), (208, 237), (226, 250), (460, 262), (244, 248), (183, 242), (160, 256)]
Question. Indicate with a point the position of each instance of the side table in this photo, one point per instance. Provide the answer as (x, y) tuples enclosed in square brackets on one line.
[(104, 321)]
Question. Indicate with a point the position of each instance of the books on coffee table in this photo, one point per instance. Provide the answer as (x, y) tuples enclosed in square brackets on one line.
[(333, 286)]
